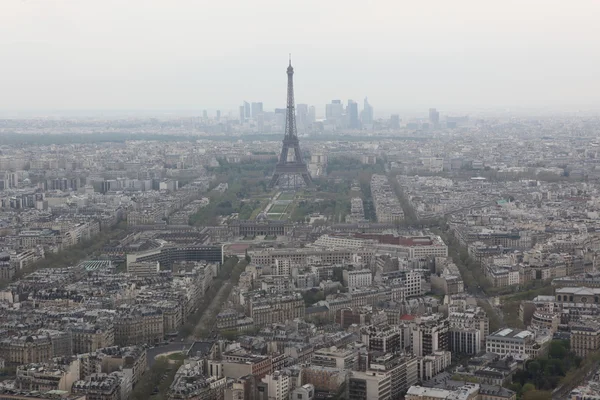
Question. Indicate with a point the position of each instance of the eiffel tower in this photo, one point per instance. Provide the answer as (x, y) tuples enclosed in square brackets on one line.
[(291, 171)]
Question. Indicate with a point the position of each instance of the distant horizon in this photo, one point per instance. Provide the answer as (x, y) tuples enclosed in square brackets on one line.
[(412, 113)]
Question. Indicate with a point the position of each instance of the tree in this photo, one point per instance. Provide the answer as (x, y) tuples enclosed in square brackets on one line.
[(338, 274), (149, 381), (515, 387), (230, 334), (558, 349), (312, 296), (528, 387)]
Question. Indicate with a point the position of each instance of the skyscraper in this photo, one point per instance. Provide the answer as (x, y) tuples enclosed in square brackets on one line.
[(312, 114), (367, 113), (204, 114), (218, 115), (260, 123), (279, 118), (242, 113), (352, 111), (257, 109), (247, 109), (302, 117), (335, 110), (434, 116), (394, 121)]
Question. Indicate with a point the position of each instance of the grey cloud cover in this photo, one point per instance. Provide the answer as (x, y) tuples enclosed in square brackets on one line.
[(179, 54)]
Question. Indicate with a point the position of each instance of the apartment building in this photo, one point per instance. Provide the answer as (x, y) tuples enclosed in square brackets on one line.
[(88, 338), (403, 371), (100, 386), (464, 341), (585, 337), (26, 349), (140, 324), (385, 339), (470, 320), (357, 279), (238, 363), (434, 363), (369, 385), (131, 360), (266, 310), (45, 377), (278, 385), (429, 334)]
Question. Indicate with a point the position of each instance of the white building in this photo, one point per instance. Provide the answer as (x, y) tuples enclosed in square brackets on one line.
[(282, 267), (339, 242), (375, 385), (278, 385), (412, 283), (354, 280), (512, 341), (304, 392)]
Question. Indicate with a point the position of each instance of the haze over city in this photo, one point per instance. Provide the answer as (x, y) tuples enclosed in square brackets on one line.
[(188, 55)]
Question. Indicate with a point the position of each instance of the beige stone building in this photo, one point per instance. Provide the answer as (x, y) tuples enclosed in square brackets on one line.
[(140, 324), (280, 308), (26, 349), (585, 338), (88, 338)]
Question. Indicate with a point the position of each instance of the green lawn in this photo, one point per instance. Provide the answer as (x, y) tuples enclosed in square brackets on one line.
[(287, 196), (277, 209), (259, 209), (176, 356)]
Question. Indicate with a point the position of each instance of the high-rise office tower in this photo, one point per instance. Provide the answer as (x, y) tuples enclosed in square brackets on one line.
[(328, 111), (218, 115), (335, 110), (279, 118), (204, 114), (257, 109), (352, 111), (367, 113), (394, 121), (302, 117), (434, 116), (312, 114), (242, 114), (247, 110), (260, 123)]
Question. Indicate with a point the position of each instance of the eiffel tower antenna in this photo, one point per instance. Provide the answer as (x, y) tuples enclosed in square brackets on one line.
[(290, 174)]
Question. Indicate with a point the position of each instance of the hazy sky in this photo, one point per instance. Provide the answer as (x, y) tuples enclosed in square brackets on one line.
[(197, 54)]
